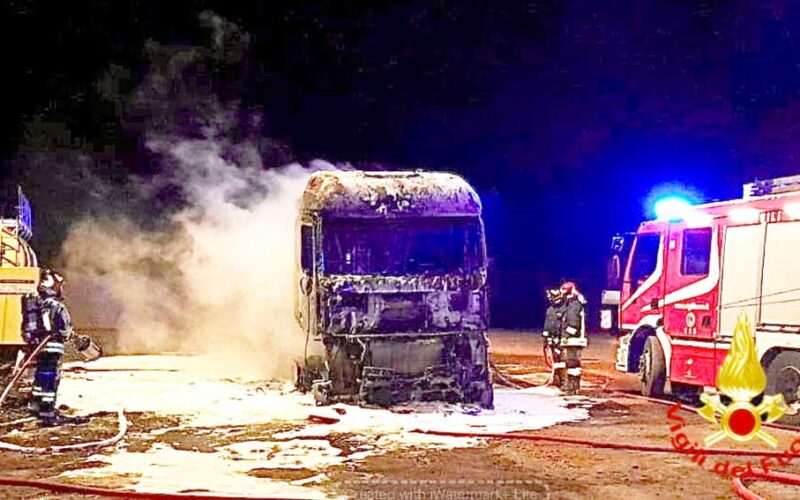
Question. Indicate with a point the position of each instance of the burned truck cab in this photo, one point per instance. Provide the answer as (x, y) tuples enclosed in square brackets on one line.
[(391, 289)]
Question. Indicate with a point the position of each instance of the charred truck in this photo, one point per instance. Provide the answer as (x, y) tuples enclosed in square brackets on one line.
[(392, 292)]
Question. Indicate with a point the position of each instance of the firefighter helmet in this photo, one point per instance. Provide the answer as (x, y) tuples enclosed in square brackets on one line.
[(50, 283), (554, 296), (568, 288)]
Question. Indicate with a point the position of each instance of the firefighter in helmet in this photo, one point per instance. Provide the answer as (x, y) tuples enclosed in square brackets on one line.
[(553, 320), (46, 319), (565, 332)]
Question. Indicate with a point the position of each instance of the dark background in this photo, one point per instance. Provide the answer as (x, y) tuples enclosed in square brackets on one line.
[(565, 116)]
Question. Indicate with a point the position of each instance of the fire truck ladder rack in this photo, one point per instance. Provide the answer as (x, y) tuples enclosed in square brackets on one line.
[(10, 244), (772, 186)]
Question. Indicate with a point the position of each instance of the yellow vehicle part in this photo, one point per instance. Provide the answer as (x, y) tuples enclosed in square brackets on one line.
[(19, 275), (14, 282)]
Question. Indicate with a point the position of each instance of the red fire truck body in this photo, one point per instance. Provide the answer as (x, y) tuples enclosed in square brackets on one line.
[(689, 278)]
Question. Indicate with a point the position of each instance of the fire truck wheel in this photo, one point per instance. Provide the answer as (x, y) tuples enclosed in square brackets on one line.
[(652, 369), (783, 376)]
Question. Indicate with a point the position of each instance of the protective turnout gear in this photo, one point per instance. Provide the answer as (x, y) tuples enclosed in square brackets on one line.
[(553, 319), (565, 334), (46, 319)]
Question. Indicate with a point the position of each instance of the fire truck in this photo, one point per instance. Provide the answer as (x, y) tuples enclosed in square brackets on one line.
[(687, 278)]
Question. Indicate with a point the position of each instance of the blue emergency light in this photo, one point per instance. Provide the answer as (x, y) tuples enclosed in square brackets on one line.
[(672, 207)]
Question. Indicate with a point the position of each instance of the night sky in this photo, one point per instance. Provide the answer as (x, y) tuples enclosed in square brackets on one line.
[(565, 116)]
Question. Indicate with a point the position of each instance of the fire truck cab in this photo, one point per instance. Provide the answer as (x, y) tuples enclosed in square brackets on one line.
[(688, 278)]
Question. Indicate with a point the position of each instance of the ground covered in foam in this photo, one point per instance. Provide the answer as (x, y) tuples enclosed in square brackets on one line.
[(249, 438)]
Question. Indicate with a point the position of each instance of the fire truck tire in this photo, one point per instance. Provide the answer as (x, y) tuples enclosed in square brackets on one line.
[(783, 376), (652, 369)]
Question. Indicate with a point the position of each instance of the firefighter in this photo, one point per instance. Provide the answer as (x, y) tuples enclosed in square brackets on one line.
[(565, 335), (573, 335), (553, 321), (45, 315)]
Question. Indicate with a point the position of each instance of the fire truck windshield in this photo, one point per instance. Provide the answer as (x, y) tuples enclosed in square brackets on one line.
[(402, 246), (645, 256)]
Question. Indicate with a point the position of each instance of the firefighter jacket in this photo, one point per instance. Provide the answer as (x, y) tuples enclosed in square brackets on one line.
[(553, 321), (573, 333), (43, 317)]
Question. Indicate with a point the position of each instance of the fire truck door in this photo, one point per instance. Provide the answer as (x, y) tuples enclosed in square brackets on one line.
[(643, 286), (692, 276)]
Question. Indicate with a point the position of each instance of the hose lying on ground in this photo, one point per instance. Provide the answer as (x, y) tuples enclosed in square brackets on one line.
[(22, 368), (122, 429), (106, 492), (737, 482), (741, 489), (122, 422), (508, 381), (18, 421)]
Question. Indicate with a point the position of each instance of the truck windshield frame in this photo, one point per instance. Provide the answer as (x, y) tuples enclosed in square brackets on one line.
[(644, 258), (402, 246)]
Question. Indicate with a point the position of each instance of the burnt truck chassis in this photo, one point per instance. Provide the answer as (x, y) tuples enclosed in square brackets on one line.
[(349, 376), (446, 360)]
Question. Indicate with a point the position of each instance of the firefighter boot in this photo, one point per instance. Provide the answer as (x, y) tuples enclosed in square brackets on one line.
[(573, 362), (573, 384), (559, 367)]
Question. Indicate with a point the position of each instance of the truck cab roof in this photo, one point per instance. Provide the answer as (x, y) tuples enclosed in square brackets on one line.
[(389, 194)]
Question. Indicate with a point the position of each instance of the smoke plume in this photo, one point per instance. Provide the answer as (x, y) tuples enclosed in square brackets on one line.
[(219, 279), (215, 273)]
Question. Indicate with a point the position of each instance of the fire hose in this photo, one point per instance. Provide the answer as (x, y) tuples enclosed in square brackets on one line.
[(505, 380), (122, 422), (107, 492), (22, 368), (739, 483), (741, 489), (56, 487)]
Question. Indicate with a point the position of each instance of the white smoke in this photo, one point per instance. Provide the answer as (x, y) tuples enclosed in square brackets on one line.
[(220, 279), (218, 276)]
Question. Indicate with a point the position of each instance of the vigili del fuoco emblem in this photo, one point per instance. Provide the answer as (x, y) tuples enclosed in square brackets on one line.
[(742, 379)]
